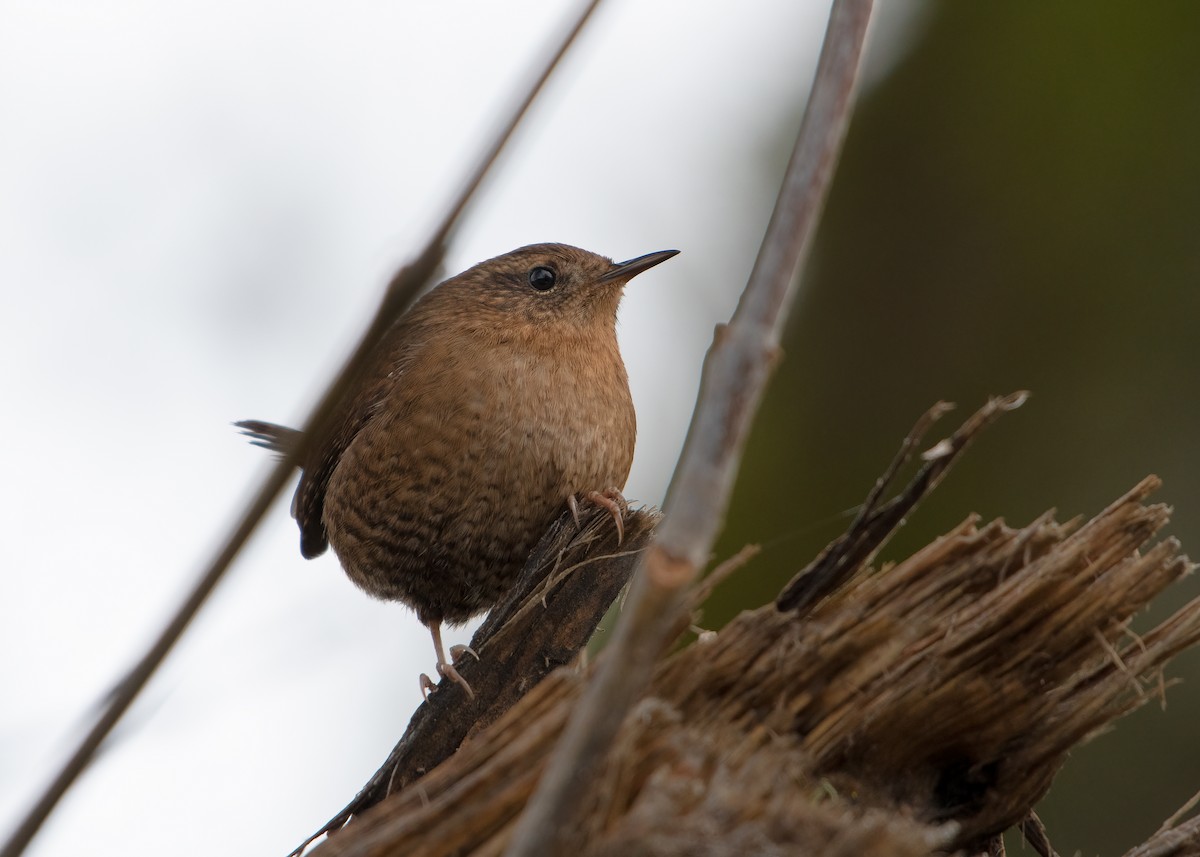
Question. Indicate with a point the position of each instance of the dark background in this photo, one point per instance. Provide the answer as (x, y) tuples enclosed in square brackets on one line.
[(1017, 208)]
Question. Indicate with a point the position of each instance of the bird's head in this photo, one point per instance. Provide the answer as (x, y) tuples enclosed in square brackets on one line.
[(547, 286)]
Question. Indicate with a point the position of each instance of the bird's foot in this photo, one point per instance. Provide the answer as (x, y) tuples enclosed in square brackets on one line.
[(428, 685), (444, 669), (611, 499), (449, 671), (615, 502)]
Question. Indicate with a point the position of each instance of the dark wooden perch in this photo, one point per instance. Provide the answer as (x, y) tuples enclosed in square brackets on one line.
[(919, 708)]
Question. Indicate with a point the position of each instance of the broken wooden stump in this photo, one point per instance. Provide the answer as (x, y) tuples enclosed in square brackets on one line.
[(919, 708)]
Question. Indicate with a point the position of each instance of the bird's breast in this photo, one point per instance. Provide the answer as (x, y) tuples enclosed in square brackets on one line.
[(466, 460), (568, 414)]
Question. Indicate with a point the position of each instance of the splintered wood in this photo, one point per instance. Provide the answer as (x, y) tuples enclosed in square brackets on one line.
[(951, 686), (917, 709)]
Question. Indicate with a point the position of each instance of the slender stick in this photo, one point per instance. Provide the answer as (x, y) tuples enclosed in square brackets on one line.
[(735, 375), (401, 291)]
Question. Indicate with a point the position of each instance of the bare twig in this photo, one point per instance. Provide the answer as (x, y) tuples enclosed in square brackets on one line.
[(1180, 813), (876, 522), (401, 291), (1181, 841), (701, 592), (1035, 834), (735, 375)]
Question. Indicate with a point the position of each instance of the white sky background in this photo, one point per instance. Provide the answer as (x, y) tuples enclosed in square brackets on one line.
[(199, 205)]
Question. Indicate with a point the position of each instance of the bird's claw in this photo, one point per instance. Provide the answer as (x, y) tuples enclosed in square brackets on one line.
[(428, 685), (449, 671), (456, 653), (615, 502), (611, 499)]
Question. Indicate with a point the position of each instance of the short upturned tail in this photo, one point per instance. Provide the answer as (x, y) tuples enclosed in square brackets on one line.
[(276, 438)]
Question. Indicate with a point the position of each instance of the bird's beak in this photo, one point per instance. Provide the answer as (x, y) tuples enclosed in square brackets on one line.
[(628, 270)]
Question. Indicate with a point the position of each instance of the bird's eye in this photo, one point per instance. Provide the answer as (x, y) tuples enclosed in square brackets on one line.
[(542, 278)]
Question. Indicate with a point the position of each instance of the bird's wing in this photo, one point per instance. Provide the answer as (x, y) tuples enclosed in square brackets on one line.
[(359, 406)]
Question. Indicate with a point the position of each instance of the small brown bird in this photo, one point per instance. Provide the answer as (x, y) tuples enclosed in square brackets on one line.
[(494, 403)]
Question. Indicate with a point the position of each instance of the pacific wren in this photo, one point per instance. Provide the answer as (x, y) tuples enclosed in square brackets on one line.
[(489, 407)]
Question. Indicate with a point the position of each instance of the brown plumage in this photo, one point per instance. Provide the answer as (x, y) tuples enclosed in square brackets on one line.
[(494, 402)]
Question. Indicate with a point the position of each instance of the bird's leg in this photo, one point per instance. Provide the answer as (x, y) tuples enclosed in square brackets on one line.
[(445, 669), (615, 502)]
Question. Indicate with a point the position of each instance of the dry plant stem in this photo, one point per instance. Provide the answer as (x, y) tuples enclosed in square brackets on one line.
[(1034, 832), (735, 375), (878, 521), (1181, 841), (1180, 813), (702, 590), (1173, 838), (401, 291)]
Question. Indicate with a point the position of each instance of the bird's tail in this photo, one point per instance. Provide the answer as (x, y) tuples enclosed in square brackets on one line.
[(270, 436)]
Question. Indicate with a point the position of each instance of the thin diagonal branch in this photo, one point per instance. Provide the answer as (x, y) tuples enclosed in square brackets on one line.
[(1171, 841), (735, 375), (401, 291)]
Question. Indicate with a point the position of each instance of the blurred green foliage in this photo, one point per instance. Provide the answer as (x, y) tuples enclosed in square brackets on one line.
[(1018, 206)]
